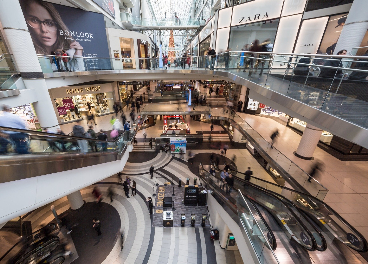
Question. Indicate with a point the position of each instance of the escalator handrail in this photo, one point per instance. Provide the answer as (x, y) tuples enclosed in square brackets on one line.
[(346, 223), (51, 135), (274, 243), (314, 243), (324, 243), (273, 238)]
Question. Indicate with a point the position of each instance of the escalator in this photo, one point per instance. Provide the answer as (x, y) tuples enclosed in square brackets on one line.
[(299, 226)]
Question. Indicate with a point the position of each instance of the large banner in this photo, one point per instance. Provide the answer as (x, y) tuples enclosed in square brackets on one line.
[(56, 28)]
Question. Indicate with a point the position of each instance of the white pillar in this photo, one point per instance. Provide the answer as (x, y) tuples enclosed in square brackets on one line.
[(237, 137), (355, 27), (20, 44), (75, 200), (308, 142)]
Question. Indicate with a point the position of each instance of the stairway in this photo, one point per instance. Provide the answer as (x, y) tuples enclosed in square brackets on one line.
[(141, 147)]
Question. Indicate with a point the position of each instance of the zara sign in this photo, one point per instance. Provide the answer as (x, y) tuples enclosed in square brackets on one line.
[(256, 11)]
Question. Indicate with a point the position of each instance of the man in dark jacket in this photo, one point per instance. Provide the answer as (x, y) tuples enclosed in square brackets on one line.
[(212, 55), (230, 183), (151, 171), (248, 173), (103, 137), (78, 131)]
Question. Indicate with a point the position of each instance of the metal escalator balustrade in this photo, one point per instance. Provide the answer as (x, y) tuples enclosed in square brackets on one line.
[(249, 219), (27, 153), (291, 172), (324, 217), (333, 84)]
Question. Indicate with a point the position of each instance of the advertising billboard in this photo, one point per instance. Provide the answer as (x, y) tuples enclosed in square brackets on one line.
[(55, 28), (332, 33)]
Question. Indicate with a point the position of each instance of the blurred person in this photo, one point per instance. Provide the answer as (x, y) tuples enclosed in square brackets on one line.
[(151, 143), (97, 194), (151, 170), (315, 170), (150, 205), (274, 136), (254, 60), (333, 62), (223, 176), (20, 139), (134, 188), (110, 193), (226, 59), (44, 24), (212, 56), (78, 131), (120, 178), (92, 143), (91, 118), (229, 183), (126, 189), (233, 159), (103, 137)]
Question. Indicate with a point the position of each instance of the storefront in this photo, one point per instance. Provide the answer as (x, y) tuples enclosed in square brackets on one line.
[(127, 53), (175, 125), (126, 87), (74, 103), (143, 52)]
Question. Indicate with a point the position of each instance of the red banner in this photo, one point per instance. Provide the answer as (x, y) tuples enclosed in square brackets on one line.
[(61, 110), (68, 103)]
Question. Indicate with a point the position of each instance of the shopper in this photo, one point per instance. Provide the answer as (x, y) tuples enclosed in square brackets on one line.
[(223, 176), (97, 194), (134, 188), (91, 118), (103, 137), (78, 131), (92, 143), (150, 143), (151, 170), (150, 205), (226, 147), (212, 55), (255, 48), (126, 189), (20, 139), (316, 168), (97, 226), (211, 128), (226, 59), (274, 136), (229, 183), (248, 174), (120, 178), (110, 193)]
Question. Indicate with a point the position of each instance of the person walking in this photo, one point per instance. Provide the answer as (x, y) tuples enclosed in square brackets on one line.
[(248, 174), (211, 128), (134, 188), (97, 226), (223, 176), (20, 139), (150, 205), (126, 189), (92, 143), (150, 143), (120, 178), (316, 168), (273, 137), (151, 170), (97, 194), (226, 147), (212, 55), (110, 193)]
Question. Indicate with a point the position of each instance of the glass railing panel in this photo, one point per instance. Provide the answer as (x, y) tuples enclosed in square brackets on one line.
[(256, 229), (290, 223)]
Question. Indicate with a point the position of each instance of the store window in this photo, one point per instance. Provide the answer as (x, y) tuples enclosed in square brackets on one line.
[(241, 37), (127, 52), (143, 52), (76, 107), (28, 114)]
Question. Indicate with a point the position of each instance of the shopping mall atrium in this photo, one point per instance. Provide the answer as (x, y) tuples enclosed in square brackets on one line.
[(183, 131)]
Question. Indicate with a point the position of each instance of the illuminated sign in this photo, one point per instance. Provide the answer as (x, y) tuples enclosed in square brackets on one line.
[(83, 89)]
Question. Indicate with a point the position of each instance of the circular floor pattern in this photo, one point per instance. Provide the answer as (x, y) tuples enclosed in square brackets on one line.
[(93, 249)]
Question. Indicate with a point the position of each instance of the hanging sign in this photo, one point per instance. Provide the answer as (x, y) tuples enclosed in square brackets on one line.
[(256, 11)]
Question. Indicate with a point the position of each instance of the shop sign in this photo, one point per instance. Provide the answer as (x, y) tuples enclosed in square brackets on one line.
[(160, 196), (83, 89), (61, 110), (256, 11)]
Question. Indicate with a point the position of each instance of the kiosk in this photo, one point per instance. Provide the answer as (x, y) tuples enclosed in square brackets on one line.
[(168, 219), (191, 195)]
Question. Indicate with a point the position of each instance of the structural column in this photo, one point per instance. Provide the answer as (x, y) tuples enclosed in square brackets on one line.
[(308, 143), (75, 200), (19, 42), (355, 27)]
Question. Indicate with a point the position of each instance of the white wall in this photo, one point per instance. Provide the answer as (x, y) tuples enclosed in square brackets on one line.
[(219, 217), (113, 38), (20, 197)]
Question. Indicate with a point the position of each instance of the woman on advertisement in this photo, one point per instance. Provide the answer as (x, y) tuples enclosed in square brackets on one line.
[(47, 32)]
